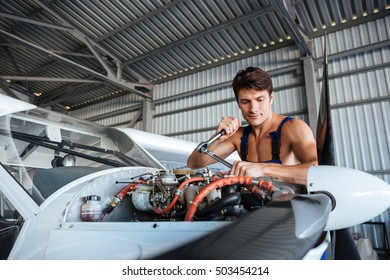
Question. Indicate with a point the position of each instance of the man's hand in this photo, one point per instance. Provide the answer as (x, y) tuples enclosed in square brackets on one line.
[(219, 147), (249, 169), (230, 125)]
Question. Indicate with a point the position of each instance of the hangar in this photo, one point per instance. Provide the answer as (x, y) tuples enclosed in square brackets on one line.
[(166, 66)]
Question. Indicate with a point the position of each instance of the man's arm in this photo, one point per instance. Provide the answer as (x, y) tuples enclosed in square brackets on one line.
[(296, 174), (302, 142)]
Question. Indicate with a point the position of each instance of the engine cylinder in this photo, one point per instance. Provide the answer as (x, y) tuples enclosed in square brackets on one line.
[(141, 198)]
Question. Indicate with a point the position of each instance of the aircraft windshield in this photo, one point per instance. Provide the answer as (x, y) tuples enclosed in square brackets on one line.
[(42, 139)]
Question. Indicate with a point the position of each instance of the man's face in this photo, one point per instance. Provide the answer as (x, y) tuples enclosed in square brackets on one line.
[(255, 105)]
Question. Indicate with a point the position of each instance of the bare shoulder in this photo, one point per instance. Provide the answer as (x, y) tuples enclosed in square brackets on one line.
[(235, 139), (297, 129), (296, 122), (237, 134)]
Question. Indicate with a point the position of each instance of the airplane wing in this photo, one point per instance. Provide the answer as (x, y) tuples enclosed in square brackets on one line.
[(171, 152)]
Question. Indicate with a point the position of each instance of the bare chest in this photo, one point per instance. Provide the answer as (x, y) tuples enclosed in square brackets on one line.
[(263, 149)]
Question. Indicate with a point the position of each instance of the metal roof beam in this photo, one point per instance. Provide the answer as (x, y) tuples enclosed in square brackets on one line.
[(135, 119), (90, 43), (36, 22), (57, 94), (74, 31), (232, 59), (11, 57), (285, 10), (48, 79), (138, 20), (17, 69), (15, 46), (69, 93), (223, 25), (5, 86), (120, 83)]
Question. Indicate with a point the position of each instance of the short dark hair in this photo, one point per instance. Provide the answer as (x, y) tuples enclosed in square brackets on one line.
[(252, 78)]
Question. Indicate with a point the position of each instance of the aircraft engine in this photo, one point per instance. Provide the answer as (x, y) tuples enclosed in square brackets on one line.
[(169, 194), (183, 195)]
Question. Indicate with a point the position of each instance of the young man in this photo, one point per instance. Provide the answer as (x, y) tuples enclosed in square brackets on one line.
[(271, 145)]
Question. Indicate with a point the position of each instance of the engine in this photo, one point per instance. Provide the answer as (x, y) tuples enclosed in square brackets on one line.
[(183, 195)]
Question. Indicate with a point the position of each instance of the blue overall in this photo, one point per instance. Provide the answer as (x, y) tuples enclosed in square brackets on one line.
[(275, 136)]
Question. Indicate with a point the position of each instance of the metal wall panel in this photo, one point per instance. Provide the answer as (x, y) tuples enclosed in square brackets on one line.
[(362, 136), (109, 107), (271, 60), (355, 37), (359, 96), (360, 101), (198, 115)]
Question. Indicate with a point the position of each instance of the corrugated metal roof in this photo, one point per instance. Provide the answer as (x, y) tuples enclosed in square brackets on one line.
[(146, 42)]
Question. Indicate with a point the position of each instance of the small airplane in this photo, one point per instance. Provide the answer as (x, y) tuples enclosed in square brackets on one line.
[(72, 189)]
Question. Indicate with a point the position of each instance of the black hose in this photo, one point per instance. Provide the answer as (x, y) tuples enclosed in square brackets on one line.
[(220, 204)]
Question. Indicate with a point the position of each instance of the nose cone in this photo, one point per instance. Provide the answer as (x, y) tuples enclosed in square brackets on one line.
[(358, 196)]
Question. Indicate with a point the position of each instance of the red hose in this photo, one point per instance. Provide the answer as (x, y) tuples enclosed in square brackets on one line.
[(174, 200), (259, 189), (127, 189), (256, 190), (212, 186), (120, 196)]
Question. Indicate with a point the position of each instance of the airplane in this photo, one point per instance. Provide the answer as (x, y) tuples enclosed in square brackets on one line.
[(73, 189)]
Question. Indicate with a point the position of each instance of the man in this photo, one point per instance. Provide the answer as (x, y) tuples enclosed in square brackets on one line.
[(272, 145)]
